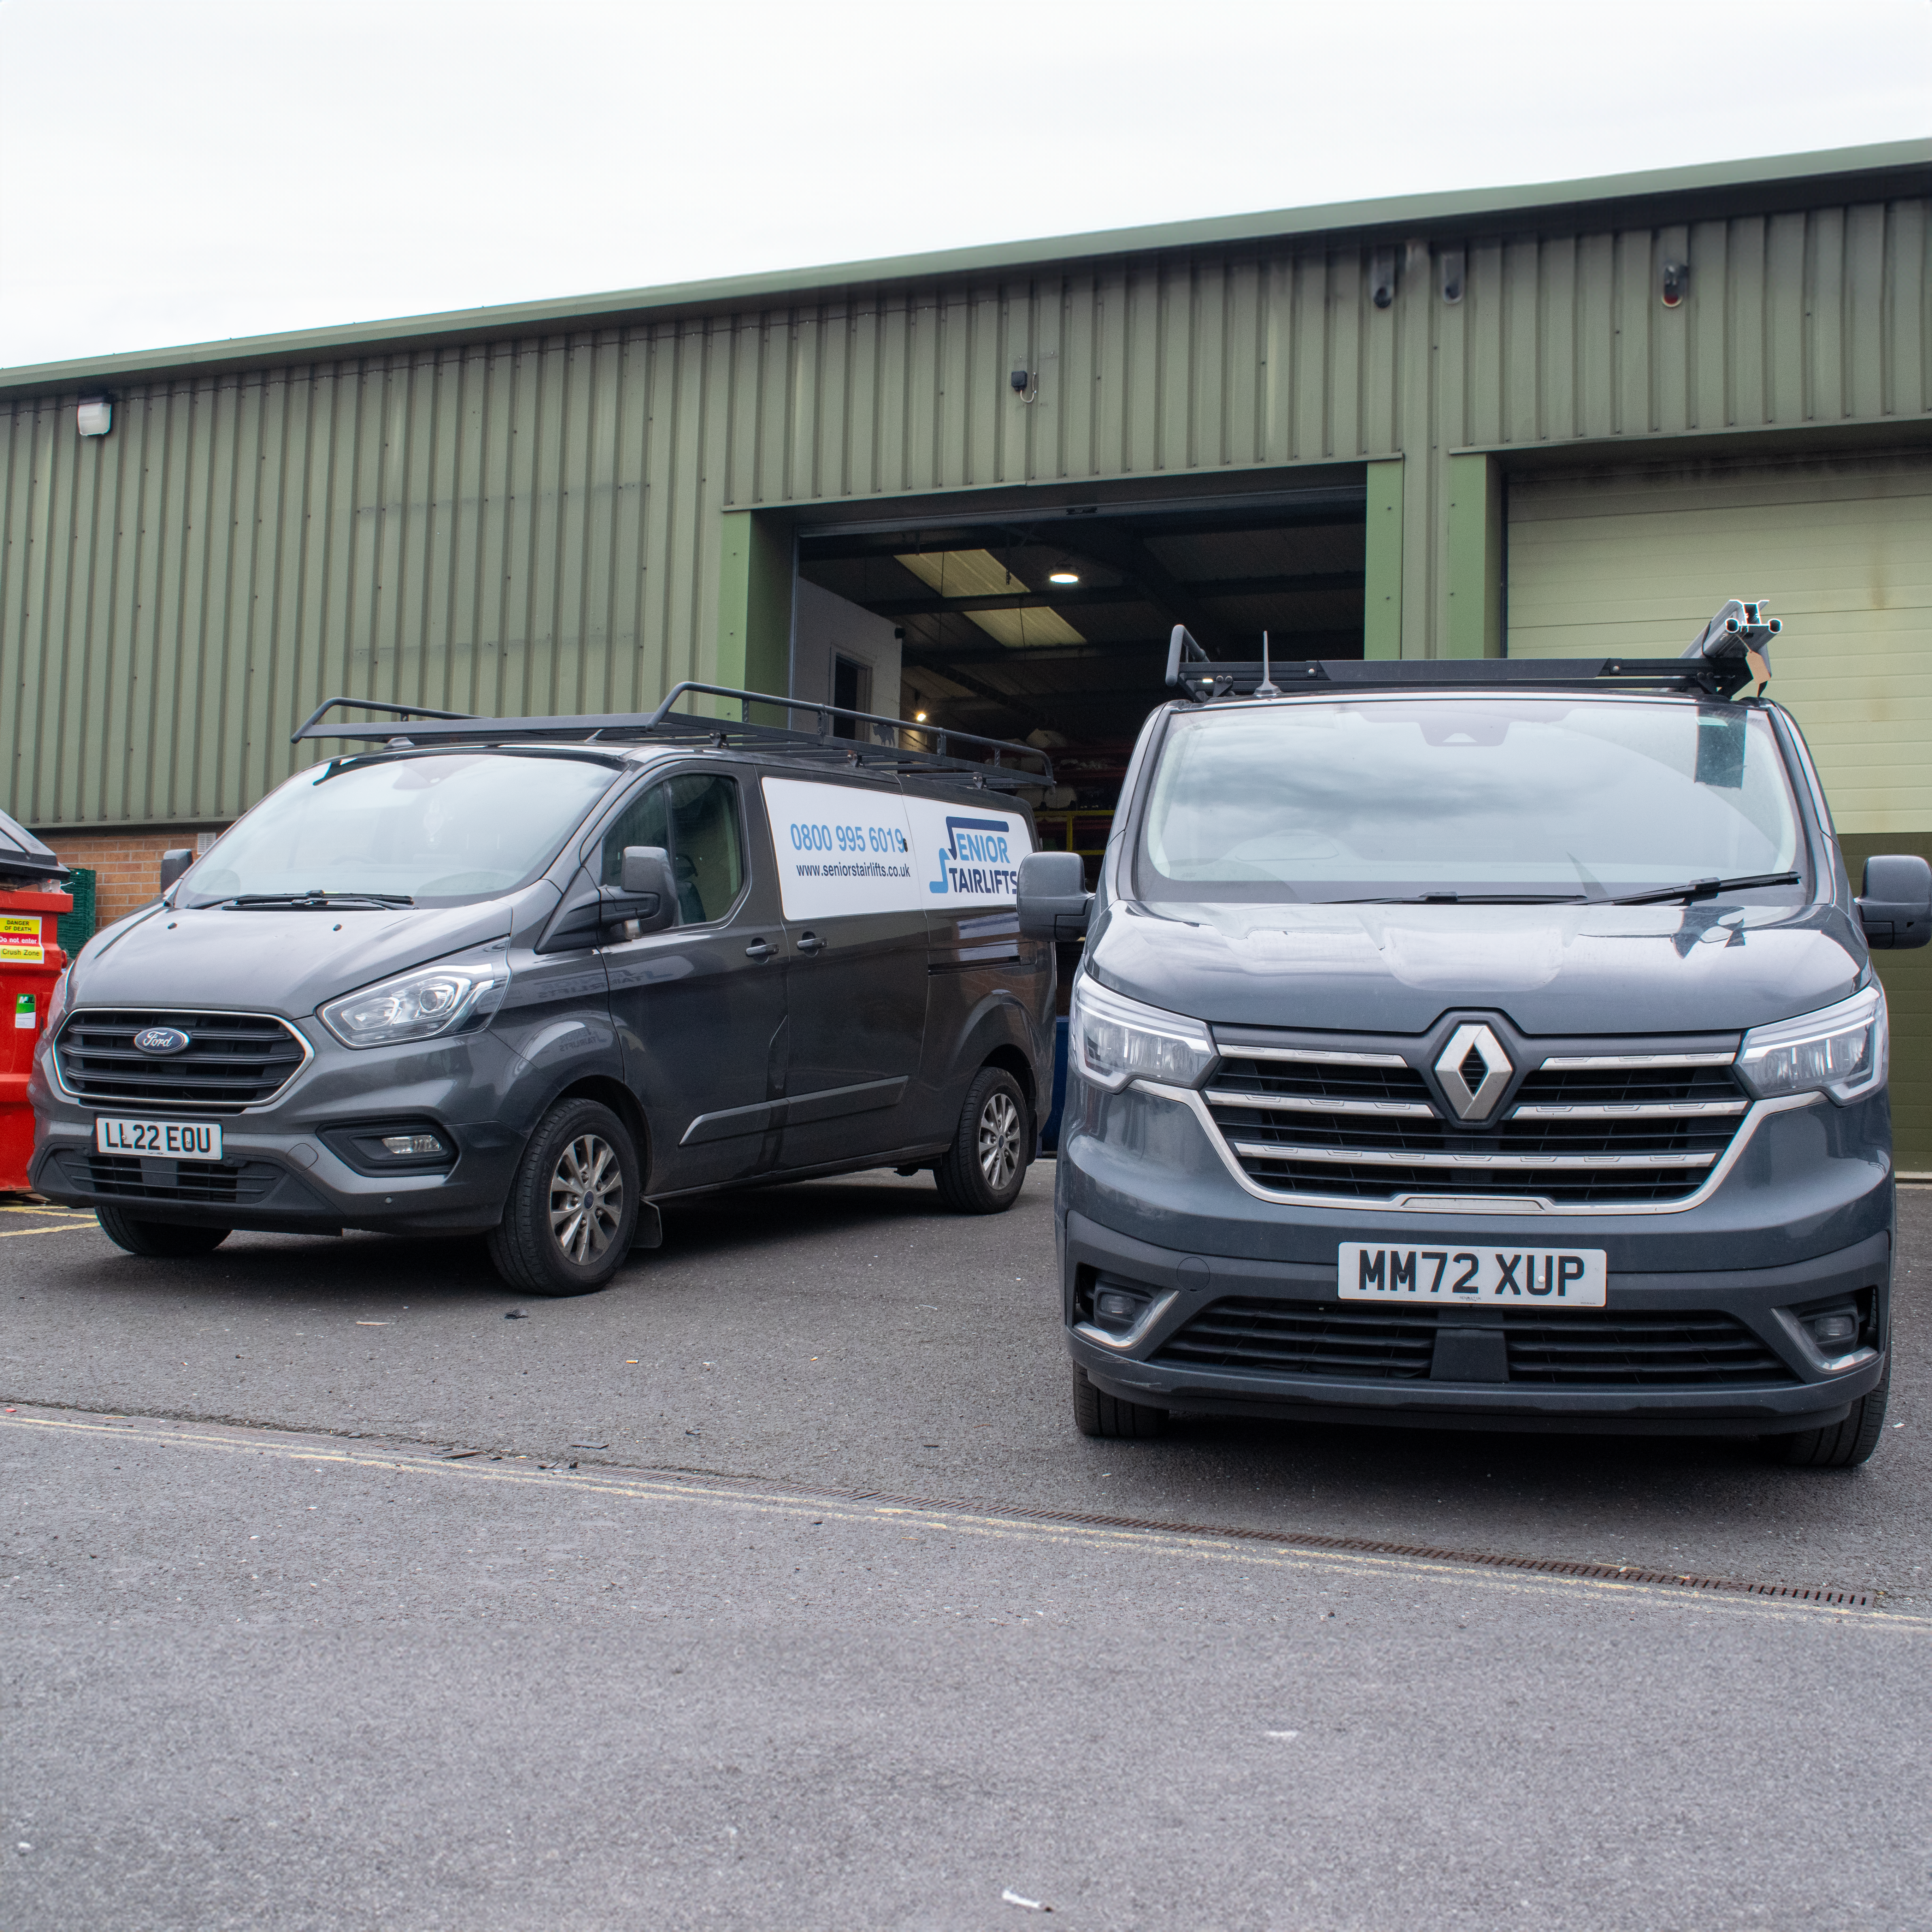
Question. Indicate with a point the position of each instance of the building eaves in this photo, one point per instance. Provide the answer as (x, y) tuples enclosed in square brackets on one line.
[(1650, 198)]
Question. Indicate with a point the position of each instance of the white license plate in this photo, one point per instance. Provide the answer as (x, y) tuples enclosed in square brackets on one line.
[(172, 1140), (1470, 1275)]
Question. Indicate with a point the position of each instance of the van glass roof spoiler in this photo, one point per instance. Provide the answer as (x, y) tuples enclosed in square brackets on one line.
[(993, 763), (1732, 650)]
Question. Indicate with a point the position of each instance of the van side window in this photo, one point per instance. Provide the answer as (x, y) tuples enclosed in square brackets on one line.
[(697, 820)]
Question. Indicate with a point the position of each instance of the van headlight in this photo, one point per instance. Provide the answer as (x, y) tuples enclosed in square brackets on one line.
[(432, 1000), (56, 1004), (1840, 1050), (1115, 1039)]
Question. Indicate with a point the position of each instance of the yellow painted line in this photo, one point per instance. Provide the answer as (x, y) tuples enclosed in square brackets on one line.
[(58, 1228), (21, 1208), (1195, 1546)]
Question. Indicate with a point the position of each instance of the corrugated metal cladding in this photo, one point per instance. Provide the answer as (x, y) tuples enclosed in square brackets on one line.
[(535, 525), (1631, 561)]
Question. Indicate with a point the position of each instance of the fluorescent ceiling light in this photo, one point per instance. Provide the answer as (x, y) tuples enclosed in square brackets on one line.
[(979, 573)]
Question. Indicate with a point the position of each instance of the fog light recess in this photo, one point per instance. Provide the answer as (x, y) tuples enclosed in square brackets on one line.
[(1118, 1306), (393, 1146)]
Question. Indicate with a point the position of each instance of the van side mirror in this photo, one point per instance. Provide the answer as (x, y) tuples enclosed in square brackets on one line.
[(646, 878), (1895, 909), (174, 863), (1054, 901)]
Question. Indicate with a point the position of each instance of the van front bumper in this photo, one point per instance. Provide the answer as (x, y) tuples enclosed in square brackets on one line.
[(293, 1165), (1805, 1218)]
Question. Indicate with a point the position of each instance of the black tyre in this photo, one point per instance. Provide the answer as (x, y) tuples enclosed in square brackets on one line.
[(1097, 1413), (982, 1172), (159, 1241), (1843, 1445), (573, 1206)]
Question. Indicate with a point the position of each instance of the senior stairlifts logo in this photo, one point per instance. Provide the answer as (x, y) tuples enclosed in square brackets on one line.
[(977, 859)]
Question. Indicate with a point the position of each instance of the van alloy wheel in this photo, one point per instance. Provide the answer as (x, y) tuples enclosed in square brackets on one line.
[(572, 1210), (586, 1198), (982, 1170), (999, 1139)]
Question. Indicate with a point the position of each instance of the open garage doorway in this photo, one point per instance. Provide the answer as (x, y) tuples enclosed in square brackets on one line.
[(1049, 622)]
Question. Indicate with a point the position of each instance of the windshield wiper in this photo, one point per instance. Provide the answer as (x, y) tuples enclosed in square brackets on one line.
[(1708, 889), (1466, 899), (315, 900)]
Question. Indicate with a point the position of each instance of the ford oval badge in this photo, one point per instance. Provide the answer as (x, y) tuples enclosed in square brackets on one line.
[(161, 1039)]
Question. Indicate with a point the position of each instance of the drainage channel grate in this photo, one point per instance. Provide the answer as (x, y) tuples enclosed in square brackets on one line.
[(1352, 1545)]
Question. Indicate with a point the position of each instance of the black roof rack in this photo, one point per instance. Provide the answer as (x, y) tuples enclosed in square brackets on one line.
[(666, 726), (1733, 650)]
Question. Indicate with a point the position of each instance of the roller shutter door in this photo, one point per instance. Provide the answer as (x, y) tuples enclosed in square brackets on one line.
[(1633, 561)]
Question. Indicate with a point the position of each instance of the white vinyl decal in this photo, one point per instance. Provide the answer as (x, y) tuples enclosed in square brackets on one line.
[(842, 850), (969, 854)]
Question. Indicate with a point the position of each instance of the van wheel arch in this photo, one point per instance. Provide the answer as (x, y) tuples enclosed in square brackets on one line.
[(1011, 1059), (622, 1102)]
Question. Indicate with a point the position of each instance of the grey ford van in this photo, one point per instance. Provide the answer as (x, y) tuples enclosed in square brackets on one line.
[(529, 977), (1481, 1043)]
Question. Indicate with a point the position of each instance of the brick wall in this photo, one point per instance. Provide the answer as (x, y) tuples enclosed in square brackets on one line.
[(127, 865)]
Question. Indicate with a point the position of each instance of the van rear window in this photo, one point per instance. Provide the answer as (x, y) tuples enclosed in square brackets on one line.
[(1469, 796)]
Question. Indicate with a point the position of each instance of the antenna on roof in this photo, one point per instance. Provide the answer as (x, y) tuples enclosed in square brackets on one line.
[(1268, 688)]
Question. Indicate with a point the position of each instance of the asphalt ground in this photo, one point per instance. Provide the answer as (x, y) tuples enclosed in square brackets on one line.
[(798, 1644)]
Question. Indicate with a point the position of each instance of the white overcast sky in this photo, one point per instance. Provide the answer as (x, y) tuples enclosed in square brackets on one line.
[(182, 170)]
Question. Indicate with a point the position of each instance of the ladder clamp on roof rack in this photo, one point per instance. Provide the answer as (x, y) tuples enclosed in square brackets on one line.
[(937, 758), (1731, 651)]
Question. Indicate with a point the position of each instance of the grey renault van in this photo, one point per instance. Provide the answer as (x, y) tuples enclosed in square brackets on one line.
[(1482, 1043), (531, 977)]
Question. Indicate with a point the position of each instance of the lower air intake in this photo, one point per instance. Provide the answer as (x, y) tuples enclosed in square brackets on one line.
[(225, 1183), (1587, 1348)]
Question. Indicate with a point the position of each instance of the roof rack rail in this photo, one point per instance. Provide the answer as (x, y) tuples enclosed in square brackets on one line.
[(1732, 650), (668, 726), (306, 728)]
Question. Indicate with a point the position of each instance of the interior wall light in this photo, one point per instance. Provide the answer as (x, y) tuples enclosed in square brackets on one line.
[(94, 416), (919, 717)]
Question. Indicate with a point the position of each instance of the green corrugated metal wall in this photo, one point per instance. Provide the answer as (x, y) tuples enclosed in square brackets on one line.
[(1632, 560), (537, 525)]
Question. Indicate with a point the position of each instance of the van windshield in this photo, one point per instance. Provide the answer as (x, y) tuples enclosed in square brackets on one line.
[(436, 829), (1479, 797)]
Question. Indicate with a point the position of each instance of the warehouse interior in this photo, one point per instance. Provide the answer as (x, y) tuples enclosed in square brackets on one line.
[(1052, 626)]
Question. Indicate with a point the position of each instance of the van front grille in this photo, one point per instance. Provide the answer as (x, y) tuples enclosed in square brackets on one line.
[(1585, 1349), (232, 1060), (1367, 1127), (1306, 1338), (1604, 1348), (115, 1177)]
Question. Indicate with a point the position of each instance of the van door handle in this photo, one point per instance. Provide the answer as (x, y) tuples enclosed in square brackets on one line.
[(810, 942), (758, 949)]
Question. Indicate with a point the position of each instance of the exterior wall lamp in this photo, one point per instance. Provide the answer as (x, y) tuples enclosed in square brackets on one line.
[(94, 416)]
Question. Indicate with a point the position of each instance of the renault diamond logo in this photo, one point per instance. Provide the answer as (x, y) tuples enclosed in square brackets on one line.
[(1474, 1071), (161, 1039)]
